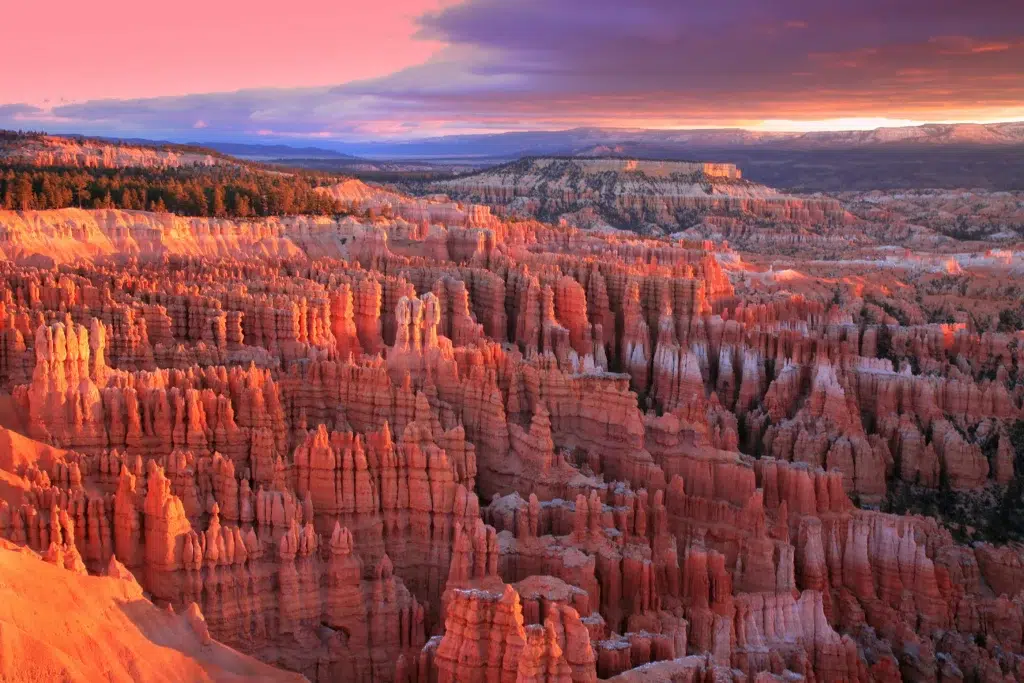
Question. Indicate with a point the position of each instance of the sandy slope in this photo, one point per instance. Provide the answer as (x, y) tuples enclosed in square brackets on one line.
[(56, 625), (18, 451)]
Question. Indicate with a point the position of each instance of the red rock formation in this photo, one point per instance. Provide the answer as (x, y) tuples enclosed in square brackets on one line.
[(485, 638), (673, 444)]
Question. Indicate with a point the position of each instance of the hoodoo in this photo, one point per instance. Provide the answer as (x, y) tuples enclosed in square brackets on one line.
[(421, 440)]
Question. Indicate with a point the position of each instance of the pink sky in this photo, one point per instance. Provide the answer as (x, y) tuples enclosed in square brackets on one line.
[(127, 49), (362, 68)]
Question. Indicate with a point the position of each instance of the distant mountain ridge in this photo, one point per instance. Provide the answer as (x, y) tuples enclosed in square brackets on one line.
[(610, 141), (254, 151), (982, 156), (581, 140), (1010, 133)]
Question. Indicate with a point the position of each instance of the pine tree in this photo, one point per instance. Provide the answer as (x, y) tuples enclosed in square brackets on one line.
[(242, 207), (24, 199), (198, 201), (80, 183), (218, 208)]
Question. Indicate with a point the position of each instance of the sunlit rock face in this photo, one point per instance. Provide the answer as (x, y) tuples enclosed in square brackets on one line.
[(429, 443), (635, 194), (53, 151)]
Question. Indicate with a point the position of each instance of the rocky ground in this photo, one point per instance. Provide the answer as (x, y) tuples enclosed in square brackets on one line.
[(699, 201), (427, 442)]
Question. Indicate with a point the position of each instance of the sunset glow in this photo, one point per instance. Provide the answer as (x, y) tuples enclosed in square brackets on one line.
[(864, 123), (512, 341), (412, 68)]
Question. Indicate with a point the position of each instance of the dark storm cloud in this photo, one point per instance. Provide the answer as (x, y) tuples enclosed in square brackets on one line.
[(722, 52)]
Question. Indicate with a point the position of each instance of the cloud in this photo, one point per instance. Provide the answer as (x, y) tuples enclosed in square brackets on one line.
[(542, 64), (726, 54), (963, 45), (12, 114)]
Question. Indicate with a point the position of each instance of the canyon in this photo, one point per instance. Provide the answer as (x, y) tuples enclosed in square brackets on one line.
[(712, 201), (637, 194), (465, 437)]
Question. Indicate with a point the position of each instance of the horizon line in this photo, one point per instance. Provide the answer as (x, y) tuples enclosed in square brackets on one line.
[(775, 127)]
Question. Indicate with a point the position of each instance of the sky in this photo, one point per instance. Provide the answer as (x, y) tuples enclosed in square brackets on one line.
[(313, 70)]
